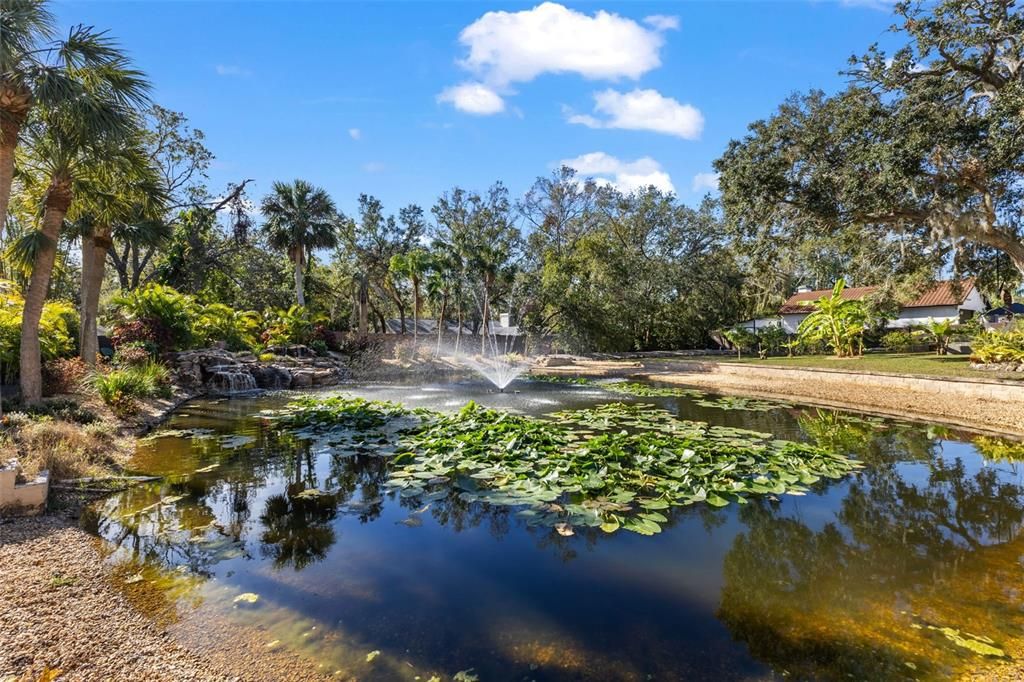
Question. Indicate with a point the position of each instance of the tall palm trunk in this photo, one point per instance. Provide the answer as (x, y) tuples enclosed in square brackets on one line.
[(94, 258), (15, 107), (56, 204), (296, 254), (440, 322)]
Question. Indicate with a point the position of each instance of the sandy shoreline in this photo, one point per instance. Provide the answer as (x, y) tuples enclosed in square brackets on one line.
[(843, 390), (64, 608)]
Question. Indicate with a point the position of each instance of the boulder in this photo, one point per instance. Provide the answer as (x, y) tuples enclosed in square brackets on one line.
[(271, 377), (556, 361), (302, 378)]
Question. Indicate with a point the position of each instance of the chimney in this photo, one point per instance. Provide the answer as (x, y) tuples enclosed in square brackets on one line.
[(505, 320)]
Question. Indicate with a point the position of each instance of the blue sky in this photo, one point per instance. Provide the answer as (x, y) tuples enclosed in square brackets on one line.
[(407, 99)]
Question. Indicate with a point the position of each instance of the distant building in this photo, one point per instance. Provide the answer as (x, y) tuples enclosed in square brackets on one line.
[(942, 301)]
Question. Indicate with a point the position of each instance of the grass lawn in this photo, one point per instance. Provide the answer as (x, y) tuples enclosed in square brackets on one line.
[(926, 364)]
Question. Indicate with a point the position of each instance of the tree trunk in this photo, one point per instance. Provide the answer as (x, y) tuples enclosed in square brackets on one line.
[(56, 204), (458, 330), (94, 260), (364, 306), (10, 127), (300, 294), (486, 316), (440, 323), (415, 310)]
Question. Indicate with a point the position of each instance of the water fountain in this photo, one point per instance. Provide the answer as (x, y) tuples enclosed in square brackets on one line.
[(498, 362)]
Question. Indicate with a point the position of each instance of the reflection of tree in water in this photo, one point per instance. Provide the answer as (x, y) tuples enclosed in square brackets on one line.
[(855, 598), (297, 527)]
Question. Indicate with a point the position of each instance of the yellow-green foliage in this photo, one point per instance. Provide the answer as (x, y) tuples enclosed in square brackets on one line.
[(295, 325), (58, 329), (999, 346), (216, 322)]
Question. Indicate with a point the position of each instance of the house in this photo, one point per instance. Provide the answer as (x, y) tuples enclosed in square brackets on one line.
[(942, 301)]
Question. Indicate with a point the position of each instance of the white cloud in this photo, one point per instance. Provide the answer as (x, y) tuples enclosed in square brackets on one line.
[(643, 110), (662, 22), (374, 167), (355, 133), (511, 47), (232, 70), (705, 182), (624, 175), (473, 98)]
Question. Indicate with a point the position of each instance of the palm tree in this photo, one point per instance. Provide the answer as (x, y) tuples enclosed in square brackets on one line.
[(126, 189), (35, 71), (67, 144), (940, 331), (414, 264), (300, 218)]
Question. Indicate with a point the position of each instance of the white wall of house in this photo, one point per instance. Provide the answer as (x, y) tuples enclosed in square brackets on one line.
[(911, 317), (791, 321), (759, 324), (916, 317)]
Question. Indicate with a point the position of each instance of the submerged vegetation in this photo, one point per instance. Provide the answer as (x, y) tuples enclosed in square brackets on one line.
[(614, 466)]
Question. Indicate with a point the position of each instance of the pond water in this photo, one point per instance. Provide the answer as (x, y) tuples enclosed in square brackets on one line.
[(909, 568)]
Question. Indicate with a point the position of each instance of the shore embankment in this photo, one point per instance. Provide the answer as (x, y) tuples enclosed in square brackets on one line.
[(984, 404)]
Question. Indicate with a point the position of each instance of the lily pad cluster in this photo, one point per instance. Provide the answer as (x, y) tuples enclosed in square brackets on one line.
[(562, 379), (649, 391), (731, 403), (610, 467)]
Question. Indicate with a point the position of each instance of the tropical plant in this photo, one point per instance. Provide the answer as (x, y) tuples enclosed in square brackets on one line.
[(294, 325), (837, 321), (122, 388), (898, 340), (36, 71), (67, 139), (940, 332), (58, 326), (772, 338), (740, 338), (154, 313), (300, 219), (124, 189), (236, 329), (413, 264), (994, 346)]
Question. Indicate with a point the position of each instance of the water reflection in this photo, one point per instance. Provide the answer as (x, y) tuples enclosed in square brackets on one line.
[(856, 579), (866, 594)]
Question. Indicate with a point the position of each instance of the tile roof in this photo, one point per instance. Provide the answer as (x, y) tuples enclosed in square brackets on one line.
[(940, 294)]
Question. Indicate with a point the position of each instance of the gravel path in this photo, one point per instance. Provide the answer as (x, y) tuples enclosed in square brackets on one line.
[(59, 612)]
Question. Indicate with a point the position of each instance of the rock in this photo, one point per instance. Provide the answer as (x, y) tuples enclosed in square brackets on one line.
[(557, 361), (293, 350), (302, 379), (271, 377)]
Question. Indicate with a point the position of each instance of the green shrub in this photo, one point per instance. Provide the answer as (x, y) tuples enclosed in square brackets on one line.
[(217, 323), (898, 341), (156, 314), (58, 330), (999, 346), (122, 388), (295, 325)]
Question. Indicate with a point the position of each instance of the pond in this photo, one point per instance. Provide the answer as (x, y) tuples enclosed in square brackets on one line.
[(908, 567)]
